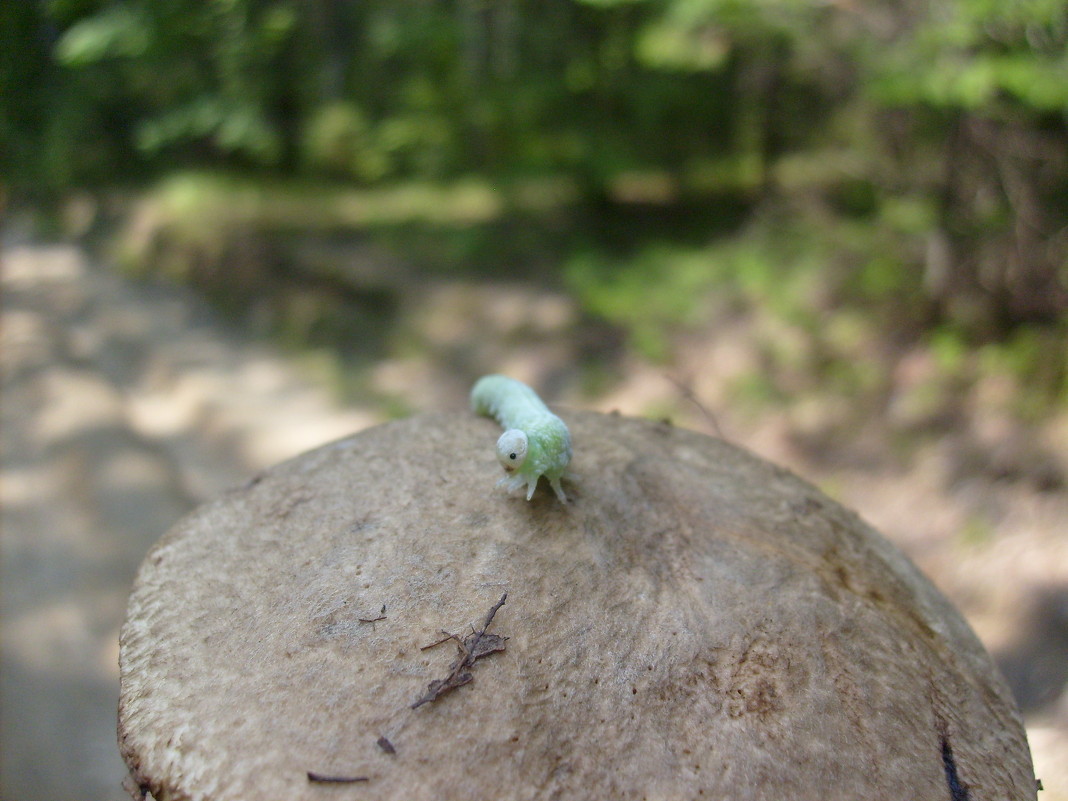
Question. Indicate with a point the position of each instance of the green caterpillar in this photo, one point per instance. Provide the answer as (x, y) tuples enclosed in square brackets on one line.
[(535, 441)]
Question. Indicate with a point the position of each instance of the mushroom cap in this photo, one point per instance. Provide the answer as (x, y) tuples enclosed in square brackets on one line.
[(696, 623)]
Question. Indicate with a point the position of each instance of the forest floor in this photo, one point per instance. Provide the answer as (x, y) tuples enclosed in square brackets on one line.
[(126, 404)]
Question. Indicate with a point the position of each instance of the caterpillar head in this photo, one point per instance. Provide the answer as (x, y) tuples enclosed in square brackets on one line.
[(512, 450)]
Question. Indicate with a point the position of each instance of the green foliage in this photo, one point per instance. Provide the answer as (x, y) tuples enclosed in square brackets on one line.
[(1035, 359), (235, 128), (339, 142), (116, 32), (133, 85), (651, 295), (980, 55)]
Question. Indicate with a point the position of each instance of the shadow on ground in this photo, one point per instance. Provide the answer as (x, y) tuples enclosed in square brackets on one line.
[(1036, 665)]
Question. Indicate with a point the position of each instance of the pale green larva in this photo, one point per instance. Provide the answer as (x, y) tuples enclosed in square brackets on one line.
[(535, 441)]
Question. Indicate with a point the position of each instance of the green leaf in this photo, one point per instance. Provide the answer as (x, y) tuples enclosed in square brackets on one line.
[(116, 32)]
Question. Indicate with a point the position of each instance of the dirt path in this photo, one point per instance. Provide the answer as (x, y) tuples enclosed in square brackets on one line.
[(124, 405)]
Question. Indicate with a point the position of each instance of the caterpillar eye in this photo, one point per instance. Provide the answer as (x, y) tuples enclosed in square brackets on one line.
[(512, 449)]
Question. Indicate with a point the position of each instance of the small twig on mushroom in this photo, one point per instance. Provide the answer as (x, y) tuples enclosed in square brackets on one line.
[(473, 647), (493, 611), (385, 745), (436, 643), (439, 687), (322, 779), (381, 616)]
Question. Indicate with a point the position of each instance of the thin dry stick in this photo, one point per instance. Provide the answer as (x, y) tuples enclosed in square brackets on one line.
[(381, 616), (321, 779), (492, 612), (446, 638), (471, 649), (690, 395)]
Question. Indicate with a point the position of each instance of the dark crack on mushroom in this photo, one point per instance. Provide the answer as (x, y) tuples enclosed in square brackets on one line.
[(957, 790)]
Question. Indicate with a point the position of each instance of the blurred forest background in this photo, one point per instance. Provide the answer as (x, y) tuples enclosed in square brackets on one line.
[(834, 231), (872, 172)]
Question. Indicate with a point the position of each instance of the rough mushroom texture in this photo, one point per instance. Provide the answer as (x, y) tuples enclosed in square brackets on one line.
[(695, 623)]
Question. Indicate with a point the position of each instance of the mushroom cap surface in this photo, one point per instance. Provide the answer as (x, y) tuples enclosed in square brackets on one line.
[(696, 623)]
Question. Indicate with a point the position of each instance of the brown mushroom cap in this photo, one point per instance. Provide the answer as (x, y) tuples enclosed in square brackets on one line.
[(695, 623)]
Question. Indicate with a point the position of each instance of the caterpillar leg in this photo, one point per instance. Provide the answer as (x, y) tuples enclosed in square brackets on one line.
[(512, 484), (555, 484), (516, 483)]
